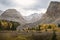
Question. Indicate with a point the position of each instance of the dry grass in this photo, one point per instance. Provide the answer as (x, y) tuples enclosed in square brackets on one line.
[(26, 36), (13, 35)]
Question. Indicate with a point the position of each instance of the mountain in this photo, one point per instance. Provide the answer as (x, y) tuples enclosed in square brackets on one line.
[(35, 20), (1, 12), (33, 17), (54, 9), (52, 15), (12, 15)]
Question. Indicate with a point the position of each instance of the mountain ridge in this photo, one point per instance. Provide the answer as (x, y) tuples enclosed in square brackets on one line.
[(12, 15)]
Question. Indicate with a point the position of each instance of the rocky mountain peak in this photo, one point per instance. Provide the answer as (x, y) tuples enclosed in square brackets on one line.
[(12, 15), (54, 9)]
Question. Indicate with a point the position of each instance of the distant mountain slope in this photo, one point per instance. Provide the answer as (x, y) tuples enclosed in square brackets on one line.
[(54, 9), (33, 17)]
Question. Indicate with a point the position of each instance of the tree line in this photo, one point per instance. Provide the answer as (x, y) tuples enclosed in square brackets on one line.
[(8, 25)]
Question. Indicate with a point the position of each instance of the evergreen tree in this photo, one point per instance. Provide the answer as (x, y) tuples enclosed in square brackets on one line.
[(54, 35), (49, 27), (58, 25), (39, 27)]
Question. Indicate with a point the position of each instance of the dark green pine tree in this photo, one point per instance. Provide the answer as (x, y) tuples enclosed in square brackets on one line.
[(54, 35), (49, 27)]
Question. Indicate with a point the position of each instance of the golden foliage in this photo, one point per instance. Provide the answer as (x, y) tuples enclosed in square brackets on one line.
[(10, 25), (45, 26), (4, 24)]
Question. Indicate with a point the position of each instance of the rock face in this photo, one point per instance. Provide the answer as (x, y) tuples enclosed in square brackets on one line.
[(54, 10), (12, 15)]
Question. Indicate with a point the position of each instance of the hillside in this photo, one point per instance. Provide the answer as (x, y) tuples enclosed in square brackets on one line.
[(12, 15)]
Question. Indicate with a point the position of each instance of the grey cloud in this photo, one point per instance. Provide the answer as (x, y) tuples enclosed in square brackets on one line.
[(6, 3), (40, 4)]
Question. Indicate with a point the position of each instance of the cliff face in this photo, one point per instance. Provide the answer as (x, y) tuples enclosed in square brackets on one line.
[(54, 10)]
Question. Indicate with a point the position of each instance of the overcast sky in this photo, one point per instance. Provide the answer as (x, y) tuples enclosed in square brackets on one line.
[(26, 7)]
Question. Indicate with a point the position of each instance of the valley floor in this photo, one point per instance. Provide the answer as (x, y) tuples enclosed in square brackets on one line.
[(14, 35)]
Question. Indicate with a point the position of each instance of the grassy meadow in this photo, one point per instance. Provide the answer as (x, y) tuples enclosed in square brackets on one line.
[(40, 32)]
